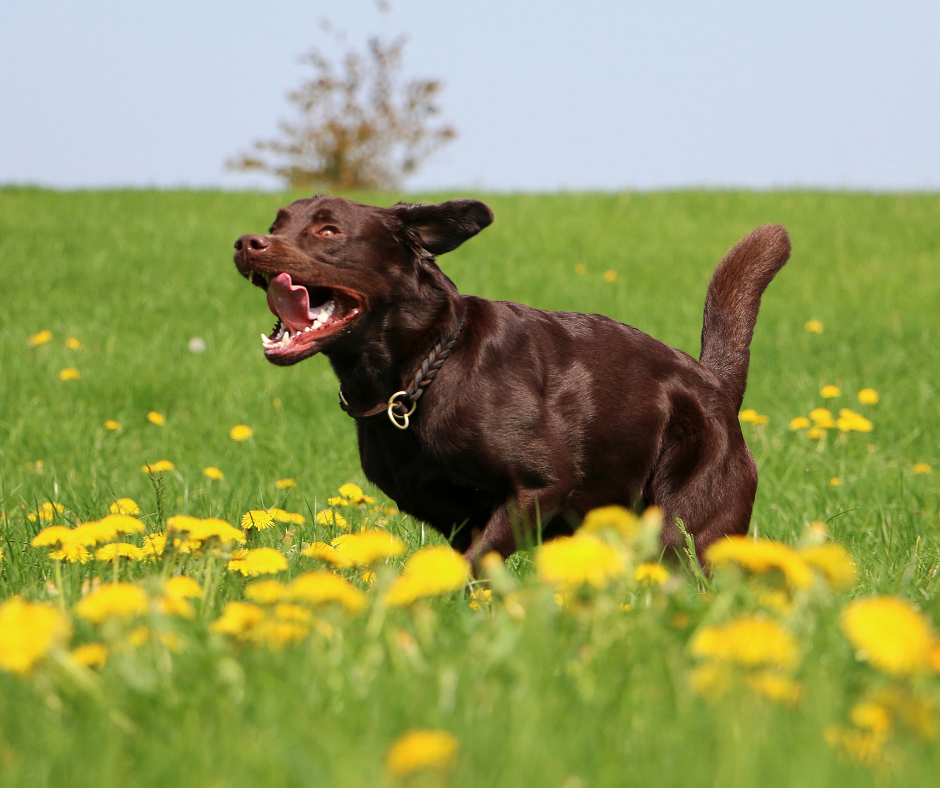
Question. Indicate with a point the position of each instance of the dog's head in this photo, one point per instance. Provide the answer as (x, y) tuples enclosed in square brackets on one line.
[(331, 266)]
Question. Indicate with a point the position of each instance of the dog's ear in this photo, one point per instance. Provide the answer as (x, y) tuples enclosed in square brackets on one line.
[(442, 227)]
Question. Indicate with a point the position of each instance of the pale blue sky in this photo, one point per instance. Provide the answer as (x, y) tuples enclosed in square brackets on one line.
[(545, 95)]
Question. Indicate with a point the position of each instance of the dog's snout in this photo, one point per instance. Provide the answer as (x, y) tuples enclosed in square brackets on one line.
[(252, 244)]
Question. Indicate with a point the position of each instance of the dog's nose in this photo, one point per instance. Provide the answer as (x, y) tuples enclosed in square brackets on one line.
[(252, 244)]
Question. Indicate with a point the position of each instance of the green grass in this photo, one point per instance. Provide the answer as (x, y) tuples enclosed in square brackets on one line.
[(599, 698)]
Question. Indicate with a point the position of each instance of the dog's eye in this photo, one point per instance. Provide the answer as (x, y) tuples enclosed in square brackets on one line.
[(327, 231)]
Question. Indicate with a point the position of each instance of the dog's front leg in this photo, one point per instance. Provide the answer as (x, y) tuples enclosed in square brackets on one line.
[(512, 523)]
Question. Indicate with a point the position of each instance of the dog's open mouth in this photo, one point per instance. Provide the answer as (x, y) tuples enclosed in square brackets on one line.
[(306, 315)]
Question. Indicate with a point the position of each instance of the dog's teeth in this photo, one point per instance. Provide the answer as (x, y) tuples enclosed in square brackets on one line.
[(251, 277)]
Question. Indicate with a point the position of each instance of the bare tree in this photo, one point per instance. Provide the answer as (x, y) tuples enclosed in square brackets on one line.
[(357, 127)]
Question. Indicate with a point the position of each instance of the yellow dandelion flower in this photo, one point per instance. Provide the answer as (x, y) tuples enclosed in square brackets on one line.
[(868, 397), (258, 519), (213, 473), (830, 392), (69, 373), (182, 586), (156, 418), (749, 640), (835, 563), (154, 544), (266, 592), (121, 601), (711, 680), (29, 631), (46, 512), (329, 517), (572, 561), (849, 420), (122, 524), (91, 655), (285, 484), (211, 527), (53, 536), (366, 547), (113, 552), (431, 571), (651, 574), (240, 432), (124, 506), (813, 326), (354, 494), (616, 518), (816, 433), (285, 611), (889, 633), (337, 500), (297, 519), (759, 556), (580, 269), (320, 588), (477, 595), (73, 344), (820, 415), (778, 688), (610, 275), (260, 561), (321, 550), (111, 424), (871, 716), (421, 749), (40, 339), (922, 467), (238, 619), (159, 467), (835, 481), (748, 415), (800, 423), (865, 747)]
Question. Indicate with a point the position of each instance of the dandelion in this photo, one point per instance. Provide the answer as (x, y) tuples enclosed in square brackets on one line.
[(73, 344), (40, 339), (922, 467), (651, 574), (91, 655), (866, 747), (112, 552), (578, 560), (615, 518), (238, 619), (849, 421), (120, 601), (610, 275), (778, 688), (46, 512), (580, 269), (822, 417), (421, 749), (154, 544), (749, 640), (266, 592), (200, 531), (889, 633), (112, 425), (321, 550), (159, 467), (816, 433), (800, 423), (257, 519), (53, 536), (260, 561), (354, 494), (477, 596), (835, 481), (213, 473), (830, 392), (835, 563), (431, 571), (69, 373), (338, 500), (177, 591), (319, 588), (240, 432), (122, 524), (285, 484), (124, 506), (868, 397), (156, 418), (366, 547), (871, 716), (329, 517), (759, 556), (29, 631), (751, 416), (813, 326)]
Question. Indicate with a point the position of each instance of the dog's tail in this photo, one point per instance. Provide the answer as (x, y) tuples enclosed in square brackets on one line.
[(732, 303)]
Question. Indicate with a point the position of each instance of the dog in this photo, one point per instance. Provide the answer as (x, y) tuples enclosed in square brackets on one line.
[(490, 419)]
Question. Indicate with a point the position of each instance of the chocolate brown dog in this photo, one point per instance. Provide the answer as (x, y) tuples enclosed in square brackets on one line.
[(486, 418)]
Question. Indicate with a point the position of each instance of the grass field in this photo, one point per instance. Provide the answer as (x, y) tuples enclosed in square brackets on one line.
[(609, 688)]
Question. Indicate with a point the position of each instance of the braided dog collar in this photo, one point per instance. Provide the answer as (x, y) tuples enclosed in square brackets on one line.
[(402, 404)]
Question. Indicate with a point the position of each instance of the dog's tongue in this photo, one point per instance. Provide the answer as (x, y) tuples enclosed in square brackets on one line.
[(290, 302)]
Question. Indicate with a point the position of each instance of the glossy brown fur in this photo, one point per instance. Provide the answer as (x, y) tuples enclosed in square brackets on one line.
[(536, 416)]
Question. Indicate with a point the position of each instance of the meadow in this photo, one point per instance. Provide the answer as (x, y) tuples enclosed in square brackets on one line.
[(128, 339)]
